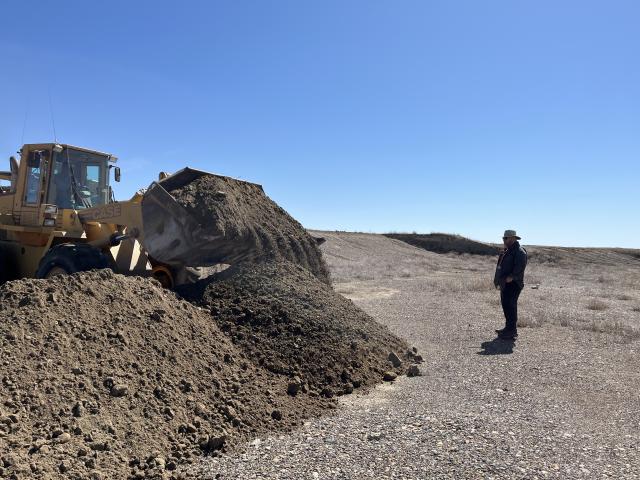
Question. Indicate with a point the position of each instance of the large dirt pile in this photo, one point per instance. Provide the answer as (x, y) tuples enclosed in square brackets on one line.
[(106, 376), (245, 224), (294, 325)]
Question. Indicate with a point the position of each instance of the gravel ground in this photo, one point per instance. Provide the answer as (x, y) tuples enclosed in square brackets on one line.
[(562, 402)]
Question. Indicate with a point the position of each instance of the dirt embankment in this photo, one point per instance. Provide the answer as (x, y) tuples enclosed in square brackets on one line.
[(445, 243), (246, 225), (564, 256), (567, 256)]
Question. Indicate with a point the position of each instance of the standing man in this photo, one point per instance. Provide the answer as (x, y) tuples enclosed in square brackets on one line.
[(509, 278)]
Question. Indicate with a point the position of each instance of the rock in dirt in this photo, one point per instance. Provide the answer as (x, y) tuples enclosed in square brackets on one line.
[(395, 360), (62, 438), (214, 442), (245, 224), (413, 371), (414, 356), (389, 376), (119, 390), (78, 410), (294, 386)]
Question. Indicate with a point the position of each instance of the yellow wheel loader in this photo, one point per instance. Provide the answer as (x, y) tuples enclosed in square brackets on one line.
[(58, 216)]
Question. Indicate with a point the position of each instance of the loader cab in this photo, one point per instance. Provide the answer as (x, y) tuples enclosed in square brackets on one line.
[(62, 175), (79, 179)]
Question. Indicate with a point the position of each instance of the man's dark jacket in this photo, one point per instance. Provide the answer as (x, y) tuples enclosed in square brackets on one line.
[(512, 262)]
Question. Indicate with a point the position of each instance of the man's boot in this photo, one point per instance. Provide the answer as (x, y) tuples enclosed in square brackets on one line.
[(508, 334)]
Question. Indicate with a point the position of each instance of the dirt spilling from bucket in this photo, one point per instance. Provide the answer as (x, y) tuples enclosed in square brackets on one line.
[(244, 224), (294, 325)]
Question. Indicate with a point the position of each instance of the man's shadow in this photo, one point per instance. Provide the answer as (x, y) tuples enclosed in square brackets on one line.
[(497, 346)]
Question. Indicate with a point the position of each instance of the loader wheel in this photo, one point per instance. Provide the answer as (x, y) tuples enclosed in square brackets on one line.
[(3, 268), (69, 258)]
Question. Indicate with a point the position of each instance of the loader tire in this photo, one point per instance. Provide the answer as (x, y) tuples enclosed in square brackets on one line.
[(4, 274), (68, 258)]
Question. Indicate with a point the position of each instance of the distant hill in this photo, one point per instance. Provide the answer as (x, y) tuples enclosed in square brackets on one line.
[(445, 243), (572, 255)]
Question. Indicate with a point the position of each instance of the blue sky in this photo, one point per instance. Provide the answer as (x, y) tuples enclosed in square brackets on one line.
[(455, 116)]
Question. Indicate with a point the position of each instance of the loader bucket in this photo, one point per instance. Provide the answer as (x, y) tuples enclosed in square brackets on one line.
[(174, 237)]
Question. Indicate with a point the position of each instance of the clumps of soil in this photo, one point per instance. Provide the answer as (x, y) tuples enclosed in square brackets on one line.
[(106, 376), (294, 325), (245, 224)]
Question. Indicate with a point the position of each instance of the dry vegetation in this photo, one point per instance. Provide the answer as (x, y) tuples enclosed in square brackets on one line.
[(597, 304), (585, 296)]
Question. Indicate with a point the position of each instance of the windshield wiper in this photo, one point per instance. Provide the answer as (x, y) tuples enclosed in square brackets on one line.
[(74, 185)]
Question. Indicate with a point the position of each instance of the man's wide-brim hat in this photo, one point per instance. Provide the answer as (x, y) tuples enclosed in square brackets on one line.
[(510, 233)]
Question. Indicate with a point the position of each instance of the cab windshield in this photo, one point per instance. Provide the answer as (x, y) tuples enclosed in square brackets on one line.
[(79, 179)]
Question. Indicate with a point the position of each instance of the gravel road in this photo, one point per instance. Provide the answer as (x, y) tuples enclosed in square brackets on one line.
[(562, 402)]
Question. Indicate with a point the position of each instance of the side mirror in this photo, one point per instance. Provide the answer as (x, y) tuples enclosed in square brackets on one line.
[(116, 174), (35, 158)]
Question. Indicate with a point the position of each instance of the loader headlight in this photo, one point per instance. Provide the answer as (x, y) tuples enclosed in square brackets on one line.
[(49, 222), (51, 209)]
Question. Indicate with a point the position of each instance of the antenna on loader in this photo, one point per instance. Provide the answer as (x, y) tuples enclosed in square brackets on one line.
[(24, 123), (53, 122)]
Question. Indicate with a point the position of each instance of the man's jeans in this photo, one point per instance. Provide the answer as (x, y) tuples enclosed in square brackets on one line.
[(509, 299)]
